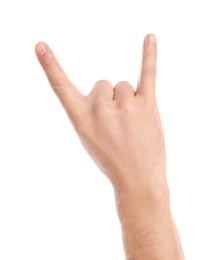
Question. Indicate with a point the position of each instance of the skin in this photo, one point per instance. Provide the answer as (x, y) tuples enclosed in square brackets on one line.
[(121, 130)]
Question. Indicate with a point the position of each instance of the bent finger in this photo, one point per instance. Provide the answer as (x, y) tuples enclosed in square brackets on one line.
[(123, 90)]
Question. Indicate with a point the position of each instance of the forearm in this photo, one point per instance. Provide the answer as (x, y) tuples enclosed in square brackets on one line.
[(148, 229)]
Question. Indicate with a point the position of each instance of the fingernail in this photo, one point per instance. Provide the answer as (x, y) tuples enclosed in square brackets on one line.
[(40, 49), (151, 39)]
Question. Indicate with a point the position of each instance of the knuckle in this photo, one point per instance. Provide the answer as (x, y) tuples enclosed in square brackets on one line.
[(148, 72), (57, 86), (123, 83), (47, 63), (102, 82), (126, 107), (99, 108), (101, 85), (151, 52)]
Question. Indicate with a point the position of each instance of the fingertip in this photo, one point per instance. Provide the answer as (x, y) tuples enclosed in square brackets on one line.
[(146, 40), (40, 48), (150, 39)]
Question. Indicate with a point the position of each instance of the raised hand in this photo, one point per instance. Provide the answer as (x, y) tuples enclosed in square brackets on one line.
[(119, 127), (121, 130)]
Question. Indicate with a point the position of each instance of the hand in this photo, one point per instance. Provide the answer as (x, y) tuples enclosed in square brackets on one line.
[(119, 127), (121, 130)]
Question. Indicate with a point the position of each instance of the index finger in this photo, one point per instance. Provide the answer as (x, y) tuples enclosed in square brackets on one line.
[(67, 93)]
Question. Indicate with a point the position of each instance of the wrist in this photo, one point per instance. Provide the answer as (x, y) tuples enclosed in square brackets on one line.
[(144, 207), (152, 190)]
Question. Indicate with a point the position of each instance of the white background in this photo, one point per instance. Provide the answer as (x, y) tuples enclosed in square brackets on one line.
[(54, 202)]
